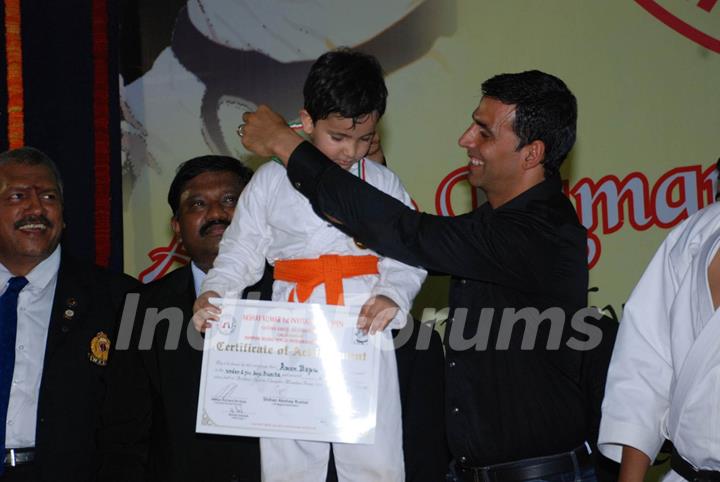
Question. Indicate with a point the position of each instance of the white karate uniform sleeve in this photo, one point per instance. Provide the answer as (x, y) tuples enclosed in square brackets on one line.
[(241, 259), (638, 388), (398, 281)]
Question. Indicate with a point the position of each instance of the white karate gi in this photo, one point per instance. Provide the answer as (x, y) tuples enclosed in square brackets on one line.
[(273, 221), (664, 377)]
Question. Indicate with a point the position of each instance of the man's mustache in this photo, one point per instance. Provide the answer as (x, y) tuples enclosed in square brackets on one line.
[(29, 220), (206, 227)]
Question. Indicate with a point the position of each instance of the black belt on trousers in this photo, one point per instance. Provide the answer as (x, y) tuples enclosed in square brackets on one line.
[(527, 469), (688, 472), (15, 457)]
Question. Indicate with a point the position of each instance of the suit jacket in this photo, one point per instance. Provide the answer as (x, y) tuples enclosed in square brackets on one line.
[(86, 306), (421, 372), (148, 427)]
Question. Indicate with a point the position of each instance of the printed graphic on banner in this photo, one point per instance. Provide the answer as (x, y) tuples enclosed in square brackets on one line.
[(602, 205), (697, 20), (644, 73), (224, 58)]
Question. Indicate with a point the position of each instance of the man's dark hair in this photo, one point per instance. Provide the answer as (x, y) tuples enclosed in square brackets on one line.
[(546, 110), (198, 165), (345, 82), (33, 157)]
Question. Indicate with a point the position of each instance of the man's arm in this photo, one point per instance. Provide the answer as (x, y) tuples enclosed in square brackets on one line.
[(241, 259), (465, 246), (478, 245), (639, 381), (398, 281), (634, 465)]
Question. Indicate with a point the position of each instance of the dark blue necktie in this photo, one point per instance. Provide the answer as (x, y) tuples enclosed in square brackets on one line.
[(8, 332)]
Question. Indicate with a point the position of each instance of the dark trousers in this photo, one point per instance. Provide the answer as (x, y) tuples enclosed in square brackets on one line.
[(19, 473)]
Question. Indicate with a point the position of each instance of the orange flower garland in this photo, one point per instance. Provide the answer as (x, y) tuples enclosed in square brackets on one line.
[(13, 48)]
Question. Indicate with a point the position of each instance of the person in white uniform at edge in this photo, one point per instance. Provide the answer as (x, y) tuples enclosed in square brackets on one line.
[(345, 96), (665, 370)]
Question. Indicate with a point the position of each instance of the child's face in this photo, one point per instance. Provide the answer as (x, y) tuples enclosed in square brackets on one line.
[(339, 139)]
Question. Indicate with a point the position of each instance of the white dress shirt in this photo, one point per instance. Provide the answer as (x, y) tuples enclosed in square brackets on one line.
[(34, 308), (198, 277)]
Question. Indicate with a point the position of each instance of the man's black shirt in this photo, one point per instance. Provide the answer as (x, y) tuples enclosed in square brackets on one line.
[(504, 402)]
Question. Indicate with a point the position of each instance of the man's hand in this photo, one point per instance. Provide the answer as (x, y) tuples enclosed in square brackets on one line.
[(376, 314), (204, 311), (267, 134)]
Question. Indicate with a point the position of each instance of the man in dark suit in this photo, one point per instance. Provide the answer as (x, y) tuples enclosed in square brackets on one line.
[(148, 429), (55, 317)]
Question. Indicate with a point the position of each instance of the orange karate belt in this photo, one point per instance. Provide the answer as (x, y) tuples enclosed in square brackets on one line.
[(329, 269)]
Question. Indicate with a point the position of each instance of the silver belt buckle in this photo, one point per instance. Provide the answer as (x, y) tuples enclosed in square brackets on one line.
[(15, 457)]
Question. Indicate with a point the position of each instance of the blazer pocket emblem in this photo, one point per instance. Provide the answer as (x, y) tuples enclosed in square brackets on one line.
[(99, 349)]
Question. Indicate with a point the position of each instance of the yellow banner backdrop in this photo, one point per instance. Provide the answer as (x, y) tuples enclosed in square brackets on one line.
[(646, 75)]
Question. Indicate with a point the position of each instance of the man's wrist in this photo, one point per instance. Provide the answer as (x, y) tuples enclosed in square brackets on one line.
[(285, 144)]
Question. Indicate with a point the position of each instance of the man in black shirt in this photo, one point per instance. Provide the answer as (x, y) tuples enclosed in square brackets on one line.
[(516, 401)]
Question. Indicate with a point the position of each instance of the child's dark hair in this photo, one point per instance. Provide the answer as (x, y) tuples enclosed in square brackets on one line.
[(345, 82)]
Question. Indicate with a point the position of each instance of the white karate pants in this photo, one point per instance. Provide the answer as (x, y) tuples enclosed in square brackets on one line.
[(286, 460)]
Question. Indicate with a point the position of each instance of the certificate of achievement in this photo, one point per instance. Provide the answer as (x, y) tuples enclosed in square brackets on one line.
[(289, 370)]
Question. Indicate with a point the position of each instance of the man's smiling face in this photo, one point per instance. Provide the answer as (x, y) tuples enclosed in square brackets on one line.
[(31, 215), (207, 204)]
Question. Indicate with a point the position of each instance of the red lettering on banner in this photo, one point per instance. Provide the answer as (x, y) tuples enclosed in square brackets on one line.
[(602, 205), (163, 257), (610, 194), (707, 5), (685, 183), (443, 201)]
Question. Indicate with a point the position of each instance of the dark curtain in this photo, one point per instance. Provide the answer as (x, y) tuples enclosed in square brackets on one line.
[(71, 112)]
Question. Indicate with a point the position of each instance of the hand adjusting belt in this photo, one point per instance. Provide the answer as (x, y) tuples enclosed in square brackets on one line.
[(528, 469), (329, 269)]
